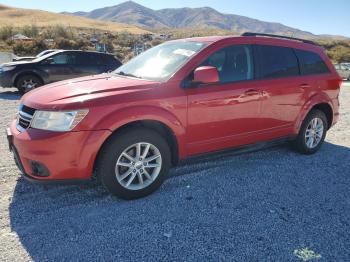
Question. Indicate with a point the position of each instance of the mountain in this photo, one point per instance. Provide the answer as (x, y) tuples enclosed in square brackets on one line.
[(135, 14), (19, 17), (128, 12)]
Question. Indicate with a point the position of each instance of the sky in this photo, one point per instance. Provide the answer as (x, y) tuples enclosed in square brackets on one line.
[(316, 16)]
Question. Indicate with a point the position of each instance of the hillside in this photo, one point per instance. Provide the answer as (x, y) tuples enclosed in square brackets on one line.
[(18, 17), (172, 18)]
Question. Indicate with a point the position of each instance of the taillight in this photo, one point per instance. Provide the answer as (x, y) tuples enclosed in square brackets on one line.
[(340, 81)]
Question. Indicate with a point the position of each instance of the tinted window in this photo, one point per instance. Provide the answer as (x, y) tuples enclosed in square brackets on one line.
[(234, 63), (63, 59), (105, 59), (276, 61), (87, 59), (111, 60), (311, 63)]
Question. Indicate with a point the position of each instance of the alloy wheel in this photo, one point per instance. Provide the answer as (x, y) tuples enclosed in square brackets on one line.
[(314, 132), (29, 84), (138, 166)]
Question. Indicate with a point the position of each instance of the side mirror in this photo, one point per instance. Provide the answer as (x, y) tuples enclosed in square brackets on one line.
[(206, 75)]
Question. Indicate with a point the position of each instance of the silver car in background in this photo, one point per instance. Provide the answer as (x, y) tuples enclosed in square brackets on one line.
[(343, 70)]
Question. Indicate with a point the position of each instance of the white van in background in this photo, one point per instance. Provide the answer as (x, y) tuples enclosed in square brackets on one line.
[(6, 57)]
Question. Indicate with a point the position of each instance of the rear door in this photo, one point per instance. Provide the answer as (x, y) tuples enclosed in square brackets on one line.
[(89, 63), (284, 91)]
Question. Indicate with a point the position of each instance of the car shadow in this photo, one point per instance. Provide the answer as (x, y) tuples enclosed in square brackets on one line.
[(10, 95), (250, 205)]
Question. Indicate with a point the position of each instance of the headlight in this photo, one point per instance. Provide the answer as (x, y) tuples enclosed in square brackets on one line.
[(57, 121), (6, 68)]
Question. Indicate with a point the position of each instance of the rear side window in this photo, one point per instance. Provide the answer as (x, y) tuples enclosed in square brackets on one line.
[(86, 58), (109, 60), (311, 63), (276, 61)]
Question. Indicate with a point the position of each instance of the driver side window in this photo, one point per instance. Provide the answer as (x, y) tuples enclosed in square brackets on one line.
[(234, 63), (62, 59)]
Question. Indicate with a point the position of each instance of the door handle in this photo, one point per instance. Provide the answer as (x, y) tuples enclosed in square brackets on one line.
[(305, 86)]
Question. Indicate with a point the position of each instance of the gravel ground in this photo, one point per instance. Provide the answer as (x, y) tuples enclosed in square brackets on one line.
[(268, 205)]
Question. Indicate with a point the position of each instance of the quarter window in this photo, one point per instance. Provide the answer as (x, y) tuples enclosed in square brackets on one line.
[(276, 61), (234, 63), (311, 63), (89, 59)]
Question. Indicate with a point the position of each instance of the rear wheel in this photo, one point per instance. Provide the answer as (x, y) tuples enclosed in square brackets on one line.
[(134, 164), (312, 133), (28, 82)]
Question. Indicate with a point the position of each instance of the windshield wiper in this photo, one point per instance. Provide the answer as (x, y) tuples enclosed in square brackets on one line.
[(127, 74)]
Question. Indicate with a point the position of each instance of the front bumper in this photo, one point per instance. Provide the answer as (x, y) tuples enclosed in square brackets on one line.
[(6, 79), (66, 156)]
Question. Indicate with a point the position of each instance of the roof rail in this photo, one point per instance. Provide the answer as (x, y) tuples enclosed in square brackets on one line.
[(279, 36)]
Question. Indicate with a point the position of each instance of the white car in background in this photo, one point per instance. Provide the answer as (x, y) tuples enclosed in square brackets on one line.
[(6, 57), (343, 70)]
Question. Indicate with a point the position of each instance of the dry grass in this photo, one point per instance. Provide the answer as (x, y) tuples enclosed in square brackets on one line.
[(19, 17)]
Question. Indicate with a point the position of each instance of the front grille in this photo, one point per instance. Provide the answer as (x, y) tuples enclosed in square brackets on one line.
[(24, 117), (27, 109)]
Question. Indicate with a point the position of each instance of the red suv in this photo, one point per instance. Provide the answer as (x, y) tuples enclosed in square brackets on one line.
[(179, 99)]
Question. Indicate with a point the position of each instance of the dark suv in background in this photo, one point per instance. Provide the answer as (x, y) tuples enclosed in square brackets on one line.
[(55, 66)]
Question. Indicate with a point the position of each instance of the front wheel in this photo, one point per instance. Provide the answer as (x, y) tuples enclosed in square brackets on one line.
[(134, 164), (28, 82), (312, 133)]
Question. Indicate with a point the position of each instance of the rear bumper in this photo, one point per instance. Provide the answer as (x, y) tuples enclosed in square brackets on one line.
[(336, 105), (64, 156), (335, 118)]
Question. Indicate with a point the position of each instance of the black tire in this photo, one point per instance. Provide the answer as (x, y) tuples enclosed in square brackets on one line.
[(21, 83), (299, 143), (112, 150)]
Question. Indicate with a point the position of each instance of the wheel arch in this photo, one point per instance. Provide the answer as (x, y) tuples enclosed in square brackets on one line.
[(327, 110), (23, 73), (161, 128), (321, 103)]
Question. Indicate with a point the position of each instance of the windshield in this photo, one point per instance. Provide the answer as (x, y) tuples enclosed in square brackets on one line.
[(160, 62), (45, 53)]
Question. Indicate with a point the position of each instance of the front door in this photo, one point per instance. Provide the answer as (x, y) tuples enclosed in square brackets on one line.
[(225, 114), (59, 67)]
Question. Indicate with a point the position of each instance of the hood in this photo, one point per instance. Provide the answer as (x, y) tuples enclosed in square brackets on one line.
[(82, 89), (17, 63)]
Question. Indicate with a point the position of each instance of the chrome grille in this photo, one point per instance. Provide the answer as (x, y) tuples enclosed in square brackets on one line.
[(24, 117)]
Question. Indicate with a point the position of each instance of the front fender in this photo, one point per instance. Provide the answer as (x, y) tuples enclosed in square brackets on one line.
[(319, 98), (121, 117), (41, 74)]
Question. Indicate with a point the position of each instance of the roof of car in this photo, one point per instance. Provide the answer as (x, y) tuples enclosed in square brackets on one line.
[(207, 39), (260, 37), (83, 51)]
